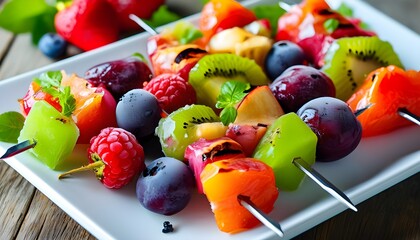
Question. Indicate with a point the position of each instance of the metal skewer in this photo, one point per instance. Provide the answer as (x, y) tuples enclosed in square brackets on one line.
[(246, 202), (144, 25), (18, 148), (403, 112), (323, 182)]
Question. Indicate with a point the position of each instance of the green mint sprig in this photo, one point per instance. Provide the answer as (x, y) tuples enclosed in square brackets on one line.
[(231, 93), (50, 82)]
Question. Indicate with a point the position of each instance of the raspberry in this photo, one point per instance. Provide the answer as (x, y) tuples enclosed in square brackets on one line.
[(172, 91), (122, 157)]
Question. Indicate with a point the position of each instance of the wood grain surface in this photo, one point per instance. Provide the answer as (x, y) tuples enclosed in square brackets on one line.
[(28, 214)]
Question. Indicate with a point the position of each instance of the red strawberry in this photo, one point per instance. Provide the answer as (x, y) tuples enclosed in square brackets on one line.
[(115, 156), (172, 91), (140, 8), (88, 24)]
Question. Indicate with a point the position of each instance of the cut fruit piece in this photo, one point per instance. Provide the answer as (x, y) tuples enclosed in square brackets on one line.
[(349, 60), (211, 71), (203, 151), (287, 138), (185, 126), (258, 107), (248, 136), (385, 92), (225, 180), (55, 134)]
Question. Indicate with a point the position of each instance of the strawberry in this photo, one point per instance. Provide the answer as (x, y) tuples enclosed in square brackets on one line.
[(115, 156), (172, 91), (140, 8), (87, 24)]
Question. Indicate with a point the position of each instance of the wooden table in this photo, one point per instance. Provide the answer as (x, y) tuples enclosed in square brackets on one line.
[(27, 214)]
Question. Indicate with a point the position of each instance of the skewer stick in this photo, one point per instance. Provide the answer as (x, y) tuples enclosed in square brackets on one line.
[(18, 148), (403, 112), (143, 24), (324, 183)]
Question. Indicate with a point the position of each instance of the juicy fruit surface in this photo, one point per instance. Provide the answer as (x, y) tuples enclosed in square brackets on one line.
[(287, 138), (300, 84), (165, 186), (57, 129), (179, 129), (88, 24), (211, 71), (95, 107), (217, 15), (385, 91), (120, 76), (349, 60), (138, 112), (337, 129), (171, 91), (242, 176), (122, 155), (203, 151)]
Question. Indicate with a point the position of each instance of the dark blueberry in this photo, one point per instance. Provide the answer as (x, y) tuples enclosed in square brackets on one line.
[(138, 112), (52, 45), (282, 55)]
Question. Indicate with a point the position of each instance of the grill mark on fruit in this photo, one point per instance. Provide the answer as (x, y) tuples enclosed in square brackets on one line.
[(188, 53)]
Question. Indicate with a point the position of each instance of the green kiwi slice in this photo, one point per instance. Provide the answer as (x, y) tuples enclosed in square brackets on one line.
[(211, 71), (185, 126), (349, 60)]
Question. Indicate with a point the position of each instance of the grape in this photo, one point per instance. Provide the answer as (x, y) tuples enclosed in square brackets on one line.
[(282, 55), (138, 112), (299, 84), (120, 76), (338, 130), (165, 186)]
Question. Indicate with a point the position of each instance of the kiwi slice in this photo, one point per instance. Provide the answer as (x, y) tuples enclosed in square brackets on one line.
[(185, 126), (211, 71), (349, 60)]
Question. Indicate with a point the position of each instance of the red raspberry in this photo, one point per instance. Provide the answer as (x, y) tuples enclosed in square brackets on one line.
[(172, 91), (119, 157)]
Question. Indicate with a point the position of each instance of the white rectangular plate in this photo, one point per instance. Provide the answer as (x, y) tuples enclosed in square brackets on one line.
[(377, 163)]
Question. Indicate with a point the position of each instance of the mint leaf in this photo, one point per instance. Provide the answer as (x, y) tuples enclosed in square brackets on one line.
[(270, 12), (231, 93), (331, 25), (228, 115), (22, 16), (162, 16), (50, 83), (10, 125), (67, 101)]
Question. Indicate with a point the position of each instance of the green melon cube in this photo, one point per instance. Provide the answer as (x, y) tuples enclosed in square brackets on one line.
[(55, 134), (287, 138)]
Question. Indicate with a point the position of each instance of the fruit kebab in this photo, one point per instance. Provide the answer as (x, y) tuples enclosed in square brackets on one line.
[(245, 201)]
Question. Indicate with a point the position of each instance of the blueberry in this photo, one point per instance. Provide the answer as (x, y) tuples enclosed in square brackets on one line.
[(52, 45), (282, 55), (138, 112)]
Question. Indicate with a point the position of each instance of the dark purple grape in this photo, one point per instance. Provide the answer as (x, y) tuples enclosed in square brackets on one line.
[(165, 186), (299, 84), (138, 112), (282, 55), (120, 76), (338, 130)]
